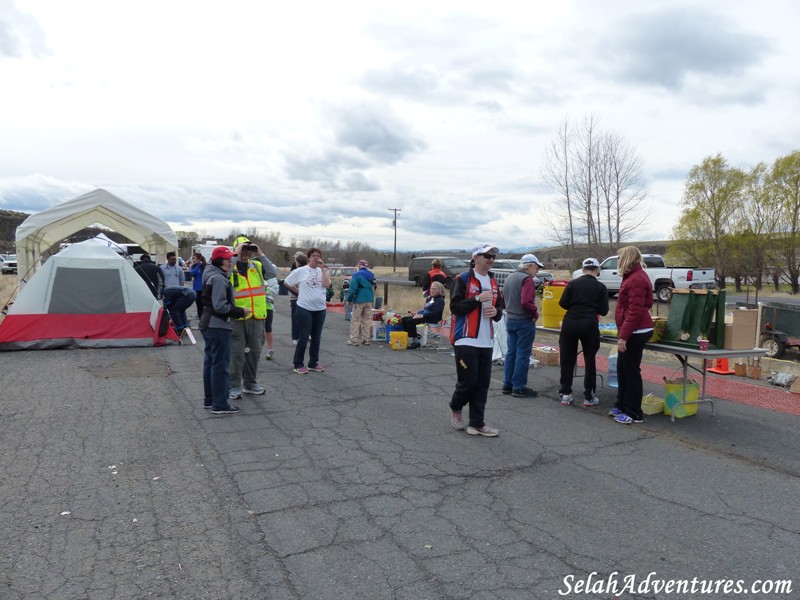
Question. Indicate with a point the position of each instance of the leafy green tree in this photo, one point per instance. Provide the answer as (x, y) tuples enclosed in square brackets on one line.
[(784, 187), (711, 200)]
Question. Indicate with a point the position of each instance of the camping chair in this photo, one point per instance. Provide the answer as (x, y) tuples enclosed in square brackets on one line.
[(438, 336)]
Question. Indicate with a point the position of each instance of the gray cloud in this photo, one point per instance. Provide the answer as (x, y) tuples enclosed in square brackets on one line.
[(457, 79), (665, 47), (377, 133), (405, 80), (327, 168), (20, 34), (365, 136)]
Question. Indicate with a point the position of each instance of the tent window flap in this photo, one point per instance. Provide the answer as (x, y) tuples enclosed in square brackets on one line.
[(86, 291)]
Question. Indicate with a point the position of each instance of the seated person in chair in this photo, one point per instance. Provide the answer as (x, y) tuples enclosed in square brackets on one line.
[(431, 313)]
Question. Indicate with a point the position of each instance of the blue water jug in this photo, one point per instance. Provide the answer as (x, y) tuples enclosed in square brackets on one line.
[(612, 371)]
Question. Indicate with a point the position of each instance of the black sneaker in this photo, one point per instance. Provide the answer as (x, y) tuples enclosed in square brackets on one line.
[(525, 393), (506, 390), (230, 410), (207, 406)]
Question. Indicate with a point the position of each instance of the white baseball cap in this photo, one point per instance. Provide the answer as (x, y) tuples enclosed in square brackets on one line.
[(484, 249), (591, 263), (530, 259)]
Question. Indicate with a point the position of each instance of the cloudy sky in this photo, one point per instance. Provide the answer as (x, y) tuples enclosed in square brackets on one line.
[(314, 118)]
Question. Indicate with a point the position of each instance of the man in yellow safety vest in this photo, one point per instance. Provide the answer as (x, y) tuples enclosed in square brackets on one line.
[(248, 276)]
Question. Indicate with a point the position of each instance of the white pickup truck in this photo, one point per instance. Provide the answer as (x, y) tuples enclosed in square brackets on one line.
[(664, 278)]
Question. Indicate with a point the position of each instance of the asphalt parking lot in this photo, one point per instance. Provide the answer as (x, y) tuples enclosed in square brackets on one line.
[(115, 483)]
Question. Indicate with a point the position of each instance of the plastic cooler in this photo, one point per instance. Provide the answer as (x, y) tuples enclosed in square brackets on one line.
[(398, 340), (552, 313)]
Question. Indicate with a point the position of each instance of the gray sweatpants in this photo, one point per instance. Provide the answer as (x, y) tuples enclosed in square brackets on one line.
[(244, 365)]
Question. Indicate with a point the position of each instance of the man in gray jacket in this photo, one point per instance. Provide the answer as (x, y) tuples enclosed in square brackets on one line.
[(519, 293)]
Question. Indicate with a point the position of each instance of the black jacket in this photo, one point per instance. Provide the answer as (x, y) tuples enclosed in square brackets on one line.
[(584, 298), (153, 277)]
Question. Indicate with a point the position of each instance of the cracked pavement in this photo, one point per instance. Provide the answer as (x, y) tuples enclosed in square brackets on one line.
[(115, 483)]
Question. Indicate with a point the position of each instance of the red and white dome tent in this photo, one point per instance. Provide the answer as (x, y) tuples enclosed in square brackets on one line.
[(87, 295)]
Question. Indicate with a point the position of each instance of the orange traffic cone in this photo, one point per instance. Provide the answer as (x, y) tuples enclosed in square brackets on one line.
[(721, 367)]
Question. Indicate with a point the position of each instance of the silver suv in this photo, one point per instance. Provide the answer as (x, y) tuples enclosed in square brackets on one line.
[(8, 263)]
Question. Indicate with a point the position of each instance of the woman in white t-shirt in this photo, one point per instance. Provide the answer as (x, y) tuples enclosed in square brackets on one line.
[(309, 283)]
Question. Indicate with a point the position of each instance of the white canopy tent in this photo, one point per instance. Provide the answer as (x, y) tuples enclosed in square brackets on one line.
[(42, 230)]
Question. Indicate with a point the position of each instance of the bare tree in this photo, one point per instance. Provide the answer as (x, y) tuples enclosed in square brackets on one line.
[(556, 172), (621, 190), (598, 178)]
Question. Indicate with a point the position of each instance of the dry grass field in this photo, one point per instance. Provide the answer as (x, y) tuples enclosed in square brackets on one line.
[(403, 299), (8, 284)]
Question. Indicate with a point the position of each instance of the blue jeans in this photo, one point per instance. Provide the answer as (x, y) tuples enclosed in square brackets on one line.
[(176, 300), (309, 323), (520, 335), (216, 369)]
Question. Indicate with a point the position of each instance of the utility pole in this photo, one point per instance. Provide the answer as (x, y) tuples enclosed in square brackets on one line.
[(394, 224)]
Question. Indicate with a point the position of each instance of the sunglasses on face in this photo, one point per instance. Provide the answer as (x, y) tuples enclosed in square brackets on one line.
[(488, 256)]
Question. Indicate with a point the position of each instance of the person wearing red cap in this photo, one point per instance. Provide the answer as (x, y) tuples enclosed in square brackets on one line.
[(218, 308)]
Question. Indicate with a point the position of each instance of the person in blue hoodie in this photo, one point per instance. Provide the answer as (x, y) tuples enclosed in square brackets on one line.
[(198, 266), (362, 295), (430, 313)]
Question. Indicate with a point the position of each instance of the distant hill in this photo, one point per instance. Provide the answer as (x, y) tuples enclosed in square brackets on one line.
[(9, 221)]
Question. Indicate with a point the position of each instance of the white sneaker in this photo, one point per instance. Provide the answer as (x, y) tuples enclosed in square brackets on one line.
[(566, 399), (593, 401), (485, 431)]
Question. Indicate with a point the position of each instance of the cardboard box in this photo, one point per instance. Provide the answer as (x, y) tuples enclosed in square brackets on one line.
[(745, 318), (739, 337), (546, 358)]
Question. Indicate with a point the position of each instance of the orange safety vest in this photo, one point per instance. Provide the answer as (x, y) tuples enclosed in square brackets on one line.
[(249, 291)]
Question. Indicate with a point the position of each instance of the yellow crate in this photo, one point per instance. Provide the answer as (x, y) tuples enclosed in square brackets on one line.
[(652, 405)]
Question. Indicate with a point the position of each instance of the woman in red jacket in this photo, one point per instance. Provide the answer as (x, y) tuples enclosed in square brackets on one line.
[(634, 327)]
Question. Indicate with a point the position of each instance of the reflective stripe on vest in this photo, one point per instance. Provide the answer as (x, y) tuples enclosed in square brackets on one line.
[(249, 291)]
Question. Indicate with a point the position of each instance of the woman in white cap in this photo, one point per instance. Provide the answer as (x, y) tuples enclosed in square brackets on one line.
[(584, 299)]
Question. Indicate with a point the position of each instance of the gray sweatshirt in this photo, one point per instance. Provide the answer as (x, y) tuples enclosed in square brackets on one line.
[(217, 298)]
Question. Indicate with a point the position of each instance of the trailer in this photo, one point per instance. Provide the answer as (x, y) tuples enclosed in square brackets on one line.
[(780, 327), (206, 248)]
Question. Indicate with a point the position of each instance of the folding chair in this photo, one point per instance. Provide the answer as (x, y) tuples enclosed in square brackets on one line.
[(438, 336)]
